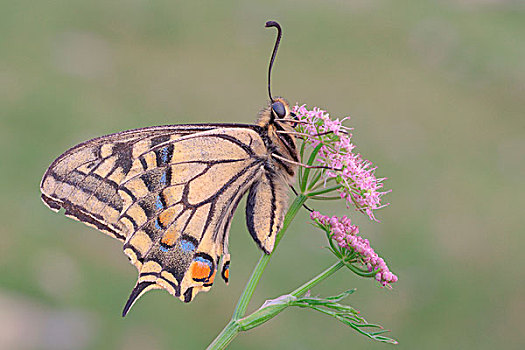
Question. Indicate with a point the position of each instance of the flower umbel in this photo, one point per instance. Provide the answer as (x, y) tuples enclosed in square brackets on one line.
[(354, 175), (353, 248)]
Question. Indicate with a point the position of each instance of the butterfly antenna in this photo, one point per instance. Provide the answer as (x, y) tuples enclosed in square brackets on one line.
[(276, 46)]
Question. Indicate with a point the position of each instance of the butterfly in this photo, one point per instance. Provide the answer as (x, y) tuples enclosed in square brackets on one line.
[(169, 192)]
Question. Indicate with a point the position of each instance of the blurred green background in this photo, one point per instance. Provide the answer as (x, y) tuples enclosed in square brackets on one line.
[(436, 92)]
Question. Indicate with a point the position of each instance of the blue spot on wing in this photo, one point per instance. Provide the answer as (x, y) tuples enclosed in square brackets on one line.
[(157, 225), (202, 260), (158, 203), (187, 246), (163, 179), (164, 154), (164, 249)]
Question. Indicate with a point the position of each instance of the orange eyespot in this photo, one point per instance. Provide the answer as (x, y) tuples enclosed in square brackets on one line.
[(201, 269), (225, 273)]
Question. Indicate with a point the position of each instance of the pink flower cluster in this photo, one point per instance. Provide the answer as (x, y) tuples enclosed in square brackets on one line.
[(346, 236), (359, 185)]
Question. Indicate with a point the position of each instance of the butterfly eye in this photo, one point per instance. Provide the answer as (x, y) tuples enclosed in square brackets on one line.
[(279, 109)]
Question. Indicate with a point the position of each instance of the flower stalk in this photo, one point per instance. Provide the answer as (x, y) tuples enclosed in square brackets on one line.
[(247, 294)]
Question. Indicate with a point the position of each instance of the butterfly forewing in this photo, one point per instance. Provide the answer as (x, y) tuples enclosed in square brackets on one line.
[(85, 179)]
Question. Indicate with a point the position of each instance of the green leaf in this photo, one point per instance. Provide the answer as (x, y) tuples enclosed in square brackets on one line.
[(344, 313)]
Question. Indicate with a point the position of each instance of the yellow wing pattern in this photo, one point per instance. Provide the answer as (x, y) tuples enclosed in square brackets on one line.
[(169, 194), (85, 179)]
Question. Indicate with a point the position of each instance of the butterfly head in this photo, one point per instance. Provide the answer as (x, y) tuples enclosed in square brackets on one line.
[(277, 116), (279, 121)]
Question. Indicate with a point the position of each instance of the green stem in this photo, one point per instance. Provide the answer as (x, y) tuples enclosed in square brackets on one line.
[(332, 245), (320, 198), (300, 172), (317, 185), (233, 327), (265, 314), (360, 272), (247, 294), (316, 178), (319, 278), (304, 180), (326, 190), (226, 336)]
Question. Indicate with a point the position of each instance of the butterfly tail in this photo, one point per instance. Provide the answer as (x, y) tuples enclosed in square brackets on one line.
[(139, 289)]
